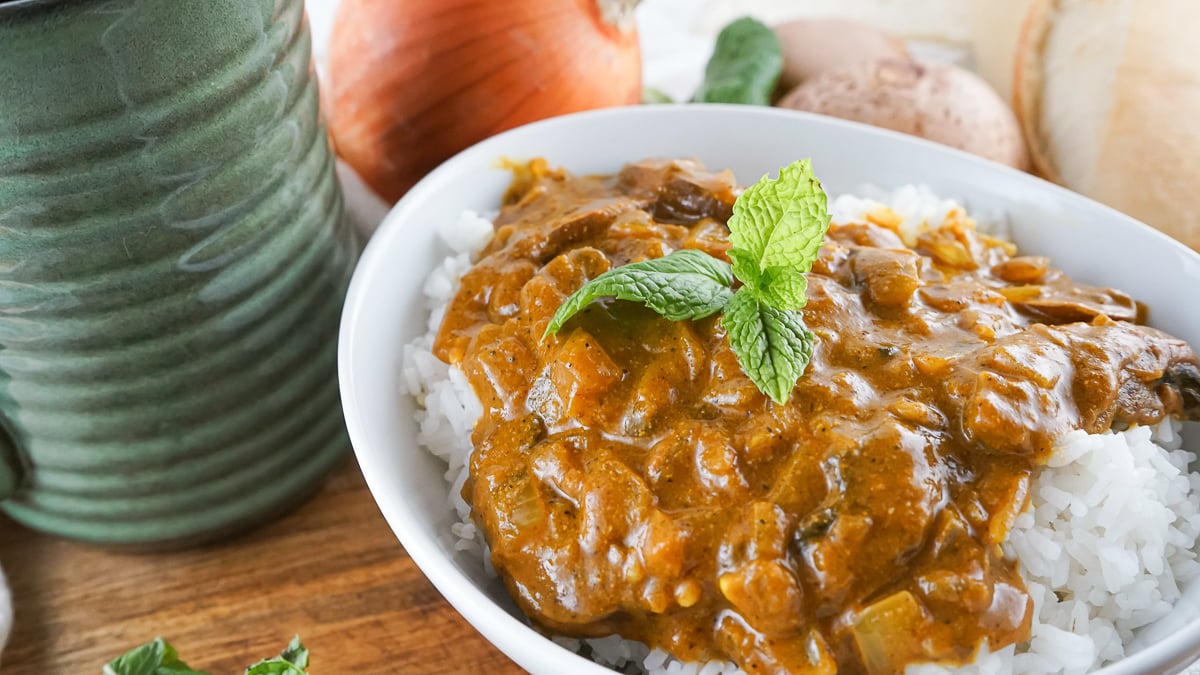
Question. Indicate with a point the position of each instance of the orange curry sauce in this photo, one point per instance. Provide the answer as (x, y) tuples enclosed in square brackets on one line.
[(631, 479)]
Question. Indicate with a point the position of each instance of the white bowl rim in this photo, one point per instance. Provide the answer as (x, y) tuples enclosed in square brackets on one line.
[(512, 636)]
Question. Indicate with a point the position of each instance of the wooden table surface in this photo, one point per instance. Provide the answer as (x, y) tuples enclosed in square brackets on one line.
[(331, 571)]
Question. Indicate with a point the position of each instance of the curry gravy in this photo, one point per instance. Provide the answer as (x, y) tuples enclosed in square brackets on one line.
[(630, 478)]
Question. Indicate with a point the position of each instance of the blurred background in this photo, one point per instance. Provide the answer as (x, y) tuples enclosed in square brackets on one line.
[(1101, 96)]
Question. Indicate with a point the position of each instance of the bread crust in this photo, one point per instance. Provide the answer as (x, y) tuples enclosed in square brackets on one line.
[(1027, 84), (1147, 160)]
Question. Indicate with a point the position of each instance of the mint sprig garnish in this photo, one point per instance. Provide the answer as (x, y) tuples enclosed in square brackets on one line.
[(776, 230)]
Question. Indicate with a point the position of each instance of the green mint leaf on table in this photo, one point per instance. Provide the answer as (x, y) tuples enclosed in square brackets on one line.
[(685, 284), (160, 658), (154, 658), (292, 661), (772, 345), (296, 653), (776, 230), (744, 67), (651, 95)]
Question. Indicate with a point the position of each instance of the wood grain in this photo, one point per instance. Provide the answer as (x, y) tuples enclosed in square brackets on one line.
[(331, 571)]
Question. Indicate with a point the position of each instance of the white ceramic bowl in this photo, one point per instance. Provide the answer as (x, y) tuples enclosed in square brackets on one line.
[(384, 308)]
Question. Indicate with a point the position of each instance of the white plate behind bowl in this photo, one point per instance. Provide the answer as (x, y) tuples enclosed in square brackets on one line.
[(384, 308)]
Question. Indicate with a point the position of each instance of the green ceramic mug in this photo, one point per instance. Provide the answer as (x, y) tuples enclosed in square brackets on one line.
[(173, 257)]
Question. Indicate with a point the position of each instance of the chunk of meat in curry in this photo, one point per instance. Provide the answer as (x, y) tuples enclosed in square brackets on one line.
[(631, 479)]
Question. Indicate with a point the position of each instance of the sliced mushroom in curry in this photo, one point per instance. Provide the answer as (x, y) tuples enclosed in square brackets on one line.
[(631, 479)]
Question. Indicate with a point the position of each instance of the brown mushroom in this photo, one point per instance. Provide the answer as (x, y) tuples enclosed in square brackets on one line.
[(937, 101)]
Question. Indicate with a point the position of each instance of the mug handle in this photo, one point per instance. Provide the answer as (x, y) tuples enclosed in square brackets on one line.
[(10, 462)]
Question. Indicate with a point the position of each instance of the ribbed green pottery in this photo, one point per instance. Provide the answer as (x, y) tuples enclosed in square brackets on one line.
[(173, 257)]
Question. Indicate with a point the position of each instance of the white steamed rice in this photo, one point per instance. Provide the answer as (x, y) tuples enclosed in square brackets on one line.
[(1109, 539)]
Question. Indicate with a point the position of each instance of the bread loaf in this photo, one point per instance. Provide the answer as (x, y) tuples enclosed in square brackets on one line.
[(1108, 95)]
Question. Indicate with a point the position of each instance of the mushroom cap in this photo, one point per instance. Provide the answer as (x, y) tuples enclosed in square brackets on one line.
[(936, 101)]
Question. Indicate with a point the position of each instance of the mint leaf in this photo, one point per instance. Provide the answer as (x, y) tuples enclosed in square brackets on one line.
[(686, 284), (653, 96), (160, 658), (292, 661), (784, 287), (772, 345), (744, 67), (154, 658), (776, 230), (295, 653)]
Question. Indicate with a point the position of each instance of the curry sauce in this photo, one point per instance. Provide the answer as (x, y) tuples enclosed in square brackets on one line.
[(631, 479)]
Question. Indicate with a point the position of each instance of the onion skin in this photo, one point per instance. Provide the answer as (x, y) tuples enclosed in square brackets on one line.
[(415, 81)]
